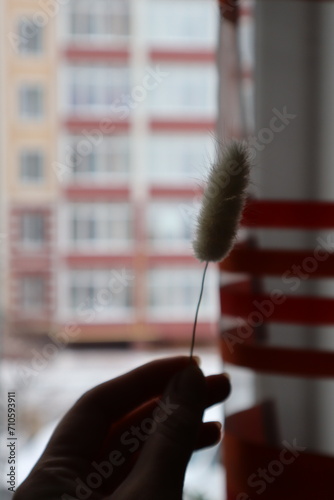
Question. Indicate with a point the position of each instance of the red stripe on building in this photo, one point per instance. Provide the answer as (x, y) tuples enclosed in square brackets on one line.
[(174, 193), (91, 193), (186, 55), (195, 124), (76, 53), (106, 125), (36, 265), (179, 332), (177, 259), (98, 261)]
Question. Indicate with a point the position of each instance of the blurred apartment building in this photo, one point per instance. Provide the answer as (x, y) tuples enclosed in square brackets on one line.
[(109, 116)]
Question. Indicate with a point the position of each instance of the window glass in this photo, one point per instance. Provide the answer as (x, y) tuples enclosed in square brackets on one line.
[(32, 229), (90, 159), (170, 226), (99, 225), (32, 291), (182, 22), (98, 290), (99, 19), (31, 166), (30, 37), (176, 159), (96, 88), (174, 292), (31, 101), (186, 91)]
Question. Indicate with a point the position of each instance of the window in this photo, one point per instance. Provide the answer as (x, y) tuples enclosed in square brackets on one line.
[(31, 101), (170, 226), (179, 159), (31, 166), (187, 90), (182, 22), (100, 292), (30, 36), (174, 292), (32, 294), (103, 161), (104, 226), (96, 89), (101, 19), (32, 229)]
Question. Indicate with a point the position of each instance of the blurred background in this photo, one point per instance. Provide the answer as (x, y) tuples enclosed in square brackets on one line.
[(108, 122)]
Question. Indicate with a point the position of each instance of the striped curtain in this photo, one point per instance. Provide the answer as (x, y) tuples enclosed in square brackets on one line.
[(279, 300)]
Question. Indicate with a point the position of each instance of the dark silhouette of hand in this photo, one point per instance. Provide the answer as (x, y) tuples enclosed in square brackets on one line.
[(130, 438)]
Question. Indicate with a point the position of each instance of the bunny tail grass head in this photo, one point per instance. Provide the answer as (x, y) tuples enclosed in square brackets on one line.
[(223, 201)]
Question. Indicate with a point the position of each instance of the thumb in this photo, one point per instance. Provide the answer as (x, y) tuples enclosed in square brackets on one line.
[(160, 469)]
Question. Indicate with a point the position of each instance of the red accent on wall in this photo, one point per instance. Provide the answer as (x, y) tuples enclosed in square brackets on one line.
[(106, 125), (15, 231), (109, 332), (182, 260), (97, 261), (84, 53), (195, 124), (184, 55), (39, 324), (160, 192), (175, 332), (182, 331), (24, 207), (34, 264), (26, 261), (84, 193)]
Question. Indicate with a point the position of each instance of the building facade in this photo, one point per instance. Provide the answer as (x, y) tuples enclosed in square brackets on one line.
[(110, 119), (30, 72)]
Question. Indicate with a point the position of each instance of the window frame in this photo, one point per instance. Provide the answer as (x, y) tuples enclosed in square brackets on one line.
[(24, 49), (167, 243), (95, 11), (25, 115), (103, 214), (88, 91), (197, 82), (101, 308), (110, 151), (27, 306), (173, 275), (24, 154), (32, 243)]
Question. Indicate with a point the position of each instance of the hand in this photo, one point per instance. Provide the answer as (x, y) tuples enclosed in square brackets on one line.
[(130, 438)]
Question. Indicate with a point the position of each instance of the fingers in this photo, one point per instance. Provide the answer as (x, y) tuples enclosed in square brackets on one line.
[(83, 429), (210, 434), (82, 432), (217, 390), (132, 427), (162, 463), (119, 396)]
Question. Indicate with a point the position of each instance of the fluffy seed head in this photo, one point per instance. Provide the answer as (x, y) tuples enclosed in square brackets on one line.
[(223, 201)]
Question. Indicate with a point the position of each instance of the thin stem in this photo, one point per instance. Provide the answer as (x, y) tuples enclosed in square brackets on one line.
[(197, 309)]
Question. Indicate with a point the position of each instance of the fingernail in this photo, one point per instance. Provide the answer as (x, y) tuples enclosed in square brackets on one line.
[(218, 425), (220, 430), (197, 360)]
